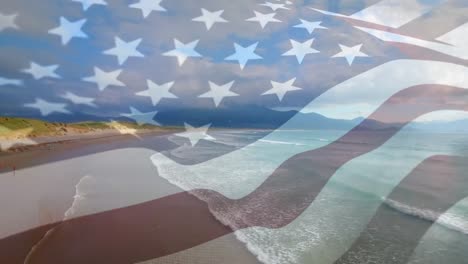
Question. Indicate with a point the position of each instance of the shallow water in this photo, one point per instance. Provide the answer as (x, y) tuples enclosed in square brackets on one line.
[(348, 202)]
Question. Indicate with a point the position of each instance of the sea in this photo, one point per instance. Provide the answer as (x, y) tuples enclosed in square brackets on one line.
[(345, 209)]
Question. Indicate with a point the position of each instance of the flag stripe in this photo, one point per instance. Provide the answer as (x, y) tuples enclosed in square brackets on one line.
[(439, 21), (392, 236), (388, 13), (355, 195), (407, 72), (439, 47), (105, 235), (394, 13), (456, 37), (430, 25)]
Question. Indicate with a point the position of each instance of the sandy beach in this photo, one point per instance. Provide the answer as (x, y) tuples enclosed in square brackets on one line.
[(77, 177)]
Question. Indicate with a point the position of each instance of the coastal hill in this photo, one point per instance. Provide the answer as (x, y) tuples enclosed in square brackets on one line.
[(19, 134), (252, 117), (15, 127)]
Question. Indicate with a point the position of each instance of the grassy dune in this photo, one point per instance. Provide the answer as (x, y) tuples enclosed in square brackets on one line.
[(12, 127)]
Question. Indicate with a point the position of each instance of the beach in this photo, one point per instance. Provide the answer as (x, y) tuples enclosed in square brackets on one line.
[(122, 198), (115, 171)]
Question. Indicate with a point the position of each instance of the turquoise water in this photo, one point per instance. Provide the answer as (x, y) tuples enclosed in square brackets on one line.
[(344, 207)]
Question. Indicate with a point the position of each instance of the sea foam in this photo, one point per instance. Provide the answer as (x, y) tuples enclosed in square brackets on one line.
[(450, 220)]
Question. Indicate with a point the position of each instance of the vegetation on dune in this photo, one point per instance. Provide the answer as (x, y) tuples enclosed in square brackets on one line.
[(24, 127)]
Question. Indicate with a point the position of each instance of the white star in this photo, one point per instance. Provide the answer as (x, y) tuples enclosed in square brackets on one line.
[(142, 118), (68, 30), (123, 50), (218, 92), (47, 108), (183, 51), (195, 134), (14, 137), (6, 81), (104, 79), (148, 6), (88, 3), (79, 100), (8, 21), (280, 89), (274, 6), (300, 50), (157, 91), (209, 18), (350, 53), (309, 25), (39, 71), (244, 54), (263, 19)]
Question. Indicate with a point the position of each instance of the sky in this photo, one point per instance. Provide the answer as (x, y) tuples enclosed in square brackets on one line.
[(31, 45)]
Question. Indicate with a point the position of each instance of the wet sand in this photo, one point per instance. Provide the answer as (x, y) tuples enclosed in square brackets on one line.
[(78, 178)]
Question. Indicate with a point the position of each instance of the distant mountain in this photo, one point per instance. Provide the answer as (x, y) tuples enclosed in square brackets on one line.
[(316, 121), (242, 117), (257, 117), (260, 117)]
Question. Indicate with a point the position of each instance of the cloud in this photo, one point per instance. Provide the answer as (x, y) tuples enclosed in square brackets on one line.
[(315, 75)]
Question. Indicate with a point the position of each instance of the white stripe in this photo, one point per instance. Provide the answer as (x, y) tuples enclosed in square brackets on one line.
[(335, 220), (455, 51), (395, 13), (363, 94), (457, 37), (428, 250), (391, 13)]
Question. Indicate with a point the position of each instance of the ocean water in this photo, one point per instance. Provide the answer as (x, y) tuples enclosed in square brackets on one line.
[(348, 202)]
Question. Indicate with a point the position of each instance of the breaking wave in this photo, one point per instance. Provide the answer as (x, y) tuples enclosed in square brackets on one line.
[(448, 220), (281, 142)]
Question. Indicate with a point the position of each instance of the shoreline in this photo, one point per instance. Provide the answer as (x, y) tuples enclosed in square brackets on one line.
[(56, 148), (77, 137), (62, 161)]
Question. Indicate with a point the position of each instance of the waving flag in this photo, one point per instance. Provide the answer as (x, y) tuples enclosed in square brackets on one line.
[(315, 131)]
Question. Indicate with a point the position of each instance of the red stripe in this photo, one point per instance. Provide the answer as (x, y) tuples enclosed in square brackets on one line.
[(178, 222), (392, 236), (439, 21)]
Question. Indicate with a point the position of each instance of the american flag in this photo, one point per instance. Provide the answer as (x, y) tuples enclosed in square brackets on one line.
[(376, 67)]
